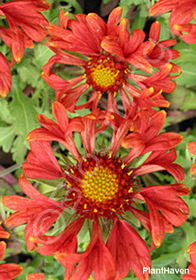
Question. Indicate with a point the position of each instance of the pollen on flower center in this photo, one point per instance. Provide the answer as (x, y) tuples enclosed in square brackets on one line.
[(105, 74), (100, 185)]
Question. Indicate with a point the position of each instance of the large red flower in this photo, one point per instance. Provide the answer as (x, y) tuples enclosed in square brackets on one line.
[(108, 59), (182, 12), (192, 148), (101, 188)]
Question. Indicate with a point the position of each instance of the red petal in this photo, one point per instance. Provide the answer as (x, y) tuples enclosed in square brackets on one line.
[(137, 145), (63, 18), (128, 250), (3, 233), (65, 241), (162, 6), (155, 31), (166, 199), (193, 169), (35, 276), (9, 271), (2, 249), (96, 24), (155, 125), (5, 76), (60, 115), (15, 202), (112, 46), (41, 162), (192, 248), (123, 34), (135, 43), (192, 147), (113, 20), (96, 258), (140, 62), (157, 229)]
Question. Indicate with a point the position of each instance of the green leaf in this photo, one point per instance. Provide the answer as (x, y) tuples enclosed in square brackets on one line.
[(164, 260), (190, 101), (7, 135), (28, 72), (165, 276), (5, 113), (19, 149), (42, 55), (192, 207), (190, 233), (23, 113), (187, 61)]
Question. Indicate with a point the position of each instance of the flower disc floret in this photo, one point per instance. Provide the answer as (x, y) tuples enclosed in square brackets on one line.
[(103, 186), (105, 74), (100, 184)]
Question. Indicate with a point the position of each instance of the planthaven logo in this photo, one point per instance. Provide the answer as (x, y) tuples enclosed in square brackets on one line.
[(166, 270)]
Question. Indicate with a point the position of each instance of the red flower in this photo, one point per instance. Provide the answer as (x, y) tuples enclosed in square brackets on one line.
[(182, 12), (8, 271), (100, 188), (5, 76), (109, 56), (191, 272), (192, 148), (23, 13)]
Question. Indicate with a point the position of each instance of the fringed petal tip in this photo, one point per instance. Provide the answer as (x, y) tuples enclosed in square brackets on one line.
[(192, 248)]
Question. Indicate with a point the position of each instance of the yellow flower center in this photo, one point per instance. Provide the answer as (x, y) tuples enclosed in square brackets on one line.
[(100, 184), (105, 74)]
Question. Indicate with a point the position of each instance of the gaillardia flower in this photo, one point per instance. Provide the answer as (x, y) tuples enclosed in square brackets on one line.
[(182, 13), (192, 148), (101, 191), (191, 273), (106, 57)]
